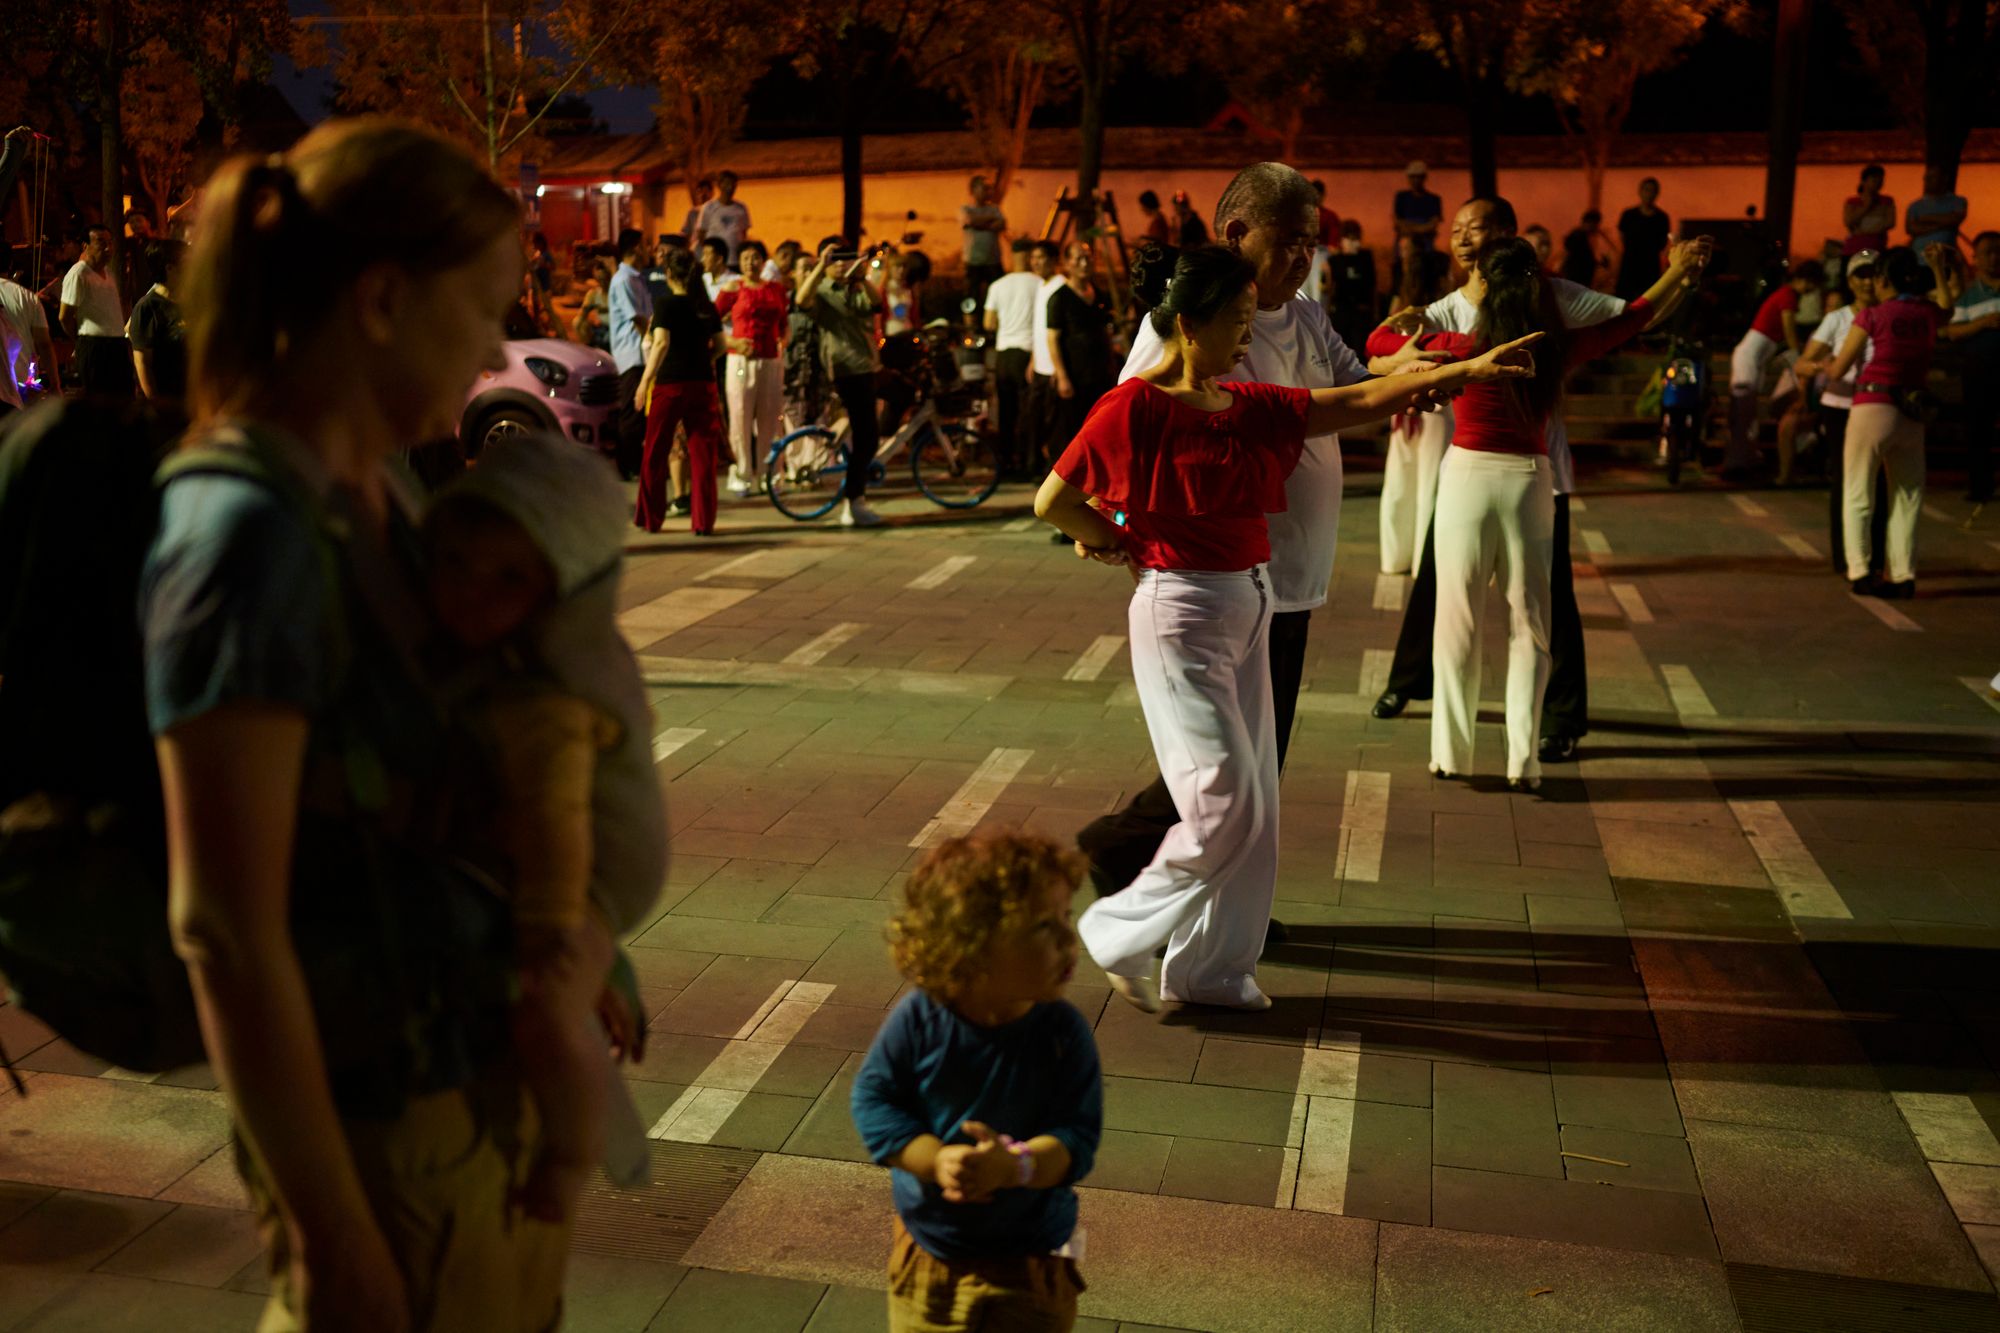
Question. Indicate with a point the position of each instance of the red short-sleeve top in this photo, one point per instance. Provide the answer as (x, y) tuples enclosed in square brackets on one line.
[(1194, 485), (1770, 318), (757, 315)]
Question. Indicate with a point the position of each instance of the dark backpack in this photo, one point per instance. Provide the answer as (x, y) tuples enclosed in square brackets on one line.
[(398, 948)]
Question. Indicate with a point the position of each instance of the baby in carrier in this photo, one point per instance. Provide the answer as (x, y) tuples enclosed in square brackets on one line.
[(525, 553)]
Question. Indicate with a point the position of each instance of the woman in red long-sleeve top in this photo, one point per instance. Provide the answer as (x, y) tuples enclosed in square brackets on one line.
[(1496, 502)]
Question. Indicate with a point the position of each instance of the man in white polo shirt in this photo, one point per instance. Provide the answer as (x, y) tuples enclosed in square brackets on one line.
[(1010, 321), (1270, 215), (92, 314), (1045, 262)]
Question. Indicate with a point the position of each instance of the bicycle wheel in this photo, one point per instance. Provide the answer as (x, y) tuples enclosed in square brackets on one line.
[(805, 472), (955, 466)]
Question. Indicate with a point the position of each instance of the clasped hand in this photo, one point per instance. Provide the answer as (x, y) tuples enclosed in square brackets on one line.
[(971, 1172)]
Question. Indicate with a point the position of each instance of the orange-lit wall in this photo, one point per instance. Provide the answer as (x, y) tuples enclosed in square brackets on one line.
[(806, 208)]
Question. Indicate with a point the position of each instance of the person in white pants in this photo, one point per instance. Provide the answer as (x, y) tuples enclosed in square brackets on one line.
[(1409, 486), (1898, 336), (1496, 498), (1195, 466), (754, 375), (1775, 329)]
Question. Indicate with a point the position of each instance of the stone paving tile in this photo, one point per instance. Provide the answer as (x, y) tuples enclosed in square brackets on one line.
[(47, 1249), (691, 932), (844, 1027), (1223, 1172), (1494, 1120), (1136, 1045), (827, 1130), (203, 1246), (1437, 1281), (1130, 1161), (1830, 1203), (849, 1310), (858, 967), (103, 1303), (1650, 1161), (1240, 1115), (1389, 1164), (1654, 1221), (109, 1135), (729, 990), (1243, 1064), (740, 1302), (613, 1295)]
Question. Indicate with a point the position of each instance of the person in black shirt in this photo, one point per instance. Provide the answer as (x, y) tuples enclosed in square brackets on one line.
[(159, 341), (1079, 318), (677, 388), (1642, 231), (1352, 286)]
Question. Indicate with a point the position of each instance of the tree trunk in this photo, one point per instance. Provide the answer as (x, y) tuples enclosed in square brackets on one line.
[(850, 166), (1090, 153), (111, 142), (1953, 45), (1481, 139), (1788, 83)]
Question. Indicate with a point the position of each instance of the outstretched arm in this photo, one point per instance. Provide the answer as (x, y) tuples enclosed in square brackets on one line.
[(1372, 400)]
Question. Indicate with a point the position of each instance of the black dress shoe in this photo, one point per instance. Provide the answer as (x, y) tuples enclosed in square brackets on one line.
[(1276, 934), (1558, 749), (1391, 704), (1897, 592)]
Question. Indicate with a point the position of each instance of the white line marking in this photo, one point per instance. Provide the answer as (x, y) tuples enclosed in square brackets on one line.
[(1982, 688), (1932, 511), (1375, 664), (1595, 542), (763, 1010), (1632, 603), (1364, 821), (1690, 699), (1801, 884), (1889, 615), (806, 654), (969, 804), (132, 1075), (1020, 524), (1949, 1127), (1576, 504), (672, 739), (772, 564), (1096, 657), (1750, 508), (936, 576), (652, 621), (1390, 589), (1799, 546), (1329, 1137), (698, 1115)]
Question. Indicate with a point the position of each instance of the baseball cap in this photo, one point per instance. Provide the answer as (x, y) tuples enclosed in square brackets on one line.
[(1861, 259), (1417, 168)]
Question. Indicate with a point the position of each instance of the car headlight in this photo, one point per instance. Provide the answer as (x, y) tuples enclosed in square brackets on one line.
[(547, 371)]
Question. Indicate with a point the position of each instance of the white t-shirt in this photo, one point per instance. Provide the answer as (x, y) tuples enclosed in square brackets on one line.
[(730, 221), (1833, 331), (1295, 346), (21, 318), (1012, 301), (1581, 307), (1038, 332), (94, 297)]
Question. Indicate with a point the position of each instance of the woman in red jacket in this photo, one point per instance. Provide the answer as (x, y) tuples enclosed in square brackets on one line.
[(1496, 503), (1195, 466)]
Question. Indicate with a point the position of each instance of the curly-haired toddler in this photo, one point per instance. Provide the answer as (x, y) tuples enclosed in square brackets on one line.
[(982, 1090)]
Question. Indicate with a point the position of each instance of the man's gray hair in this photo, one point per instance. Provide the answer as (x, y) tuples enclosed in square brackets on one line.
[(1263, 193)]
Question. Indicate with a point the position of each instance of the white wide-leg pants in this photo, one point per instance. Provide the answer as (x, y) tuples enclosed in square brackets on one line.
[(1409, 489), (1496, 514), (1746, 378), (756, 391), (1879, 436), (1201, 665)]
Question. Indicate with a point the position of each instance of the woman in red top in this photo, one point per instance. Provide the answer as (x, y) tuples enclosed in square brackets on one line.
[(754, 380), (1774, 329), (1195, 467), (1496, 500), (1885, 430)]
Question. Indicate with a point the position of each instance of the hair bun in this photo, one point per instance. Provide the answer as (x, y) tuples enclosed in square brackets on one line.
[(1152, 270)]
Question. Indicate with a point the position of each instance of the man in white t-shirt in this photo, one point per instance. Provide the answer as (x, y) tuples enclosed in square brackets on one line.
[(724, 216), (92, 314), (27, 353), (1566, 703), (1010, 321), (1045, 261), (1270, 215)]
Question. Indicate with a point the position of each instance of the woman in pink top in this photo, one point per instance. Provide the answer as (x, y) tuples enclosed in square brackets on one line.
[(1885, 429), (1496, 500)]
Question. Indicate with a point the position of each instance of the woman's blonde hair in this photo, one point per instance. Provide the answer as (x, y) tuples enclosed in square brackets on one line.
[(279, 237), (966, 895)]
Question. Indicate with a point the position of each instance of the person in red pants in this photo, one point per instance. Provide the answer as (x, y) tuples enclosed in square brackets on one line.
[(677, 388)]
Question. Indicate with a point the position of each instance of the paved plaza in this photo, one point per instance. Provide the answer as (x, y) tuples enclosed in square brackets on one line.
[(1704, 1036)]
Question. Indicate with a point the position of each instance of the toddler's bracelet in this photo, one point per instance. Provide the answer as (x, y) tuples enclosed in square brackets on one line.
[(1024, 1157)]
